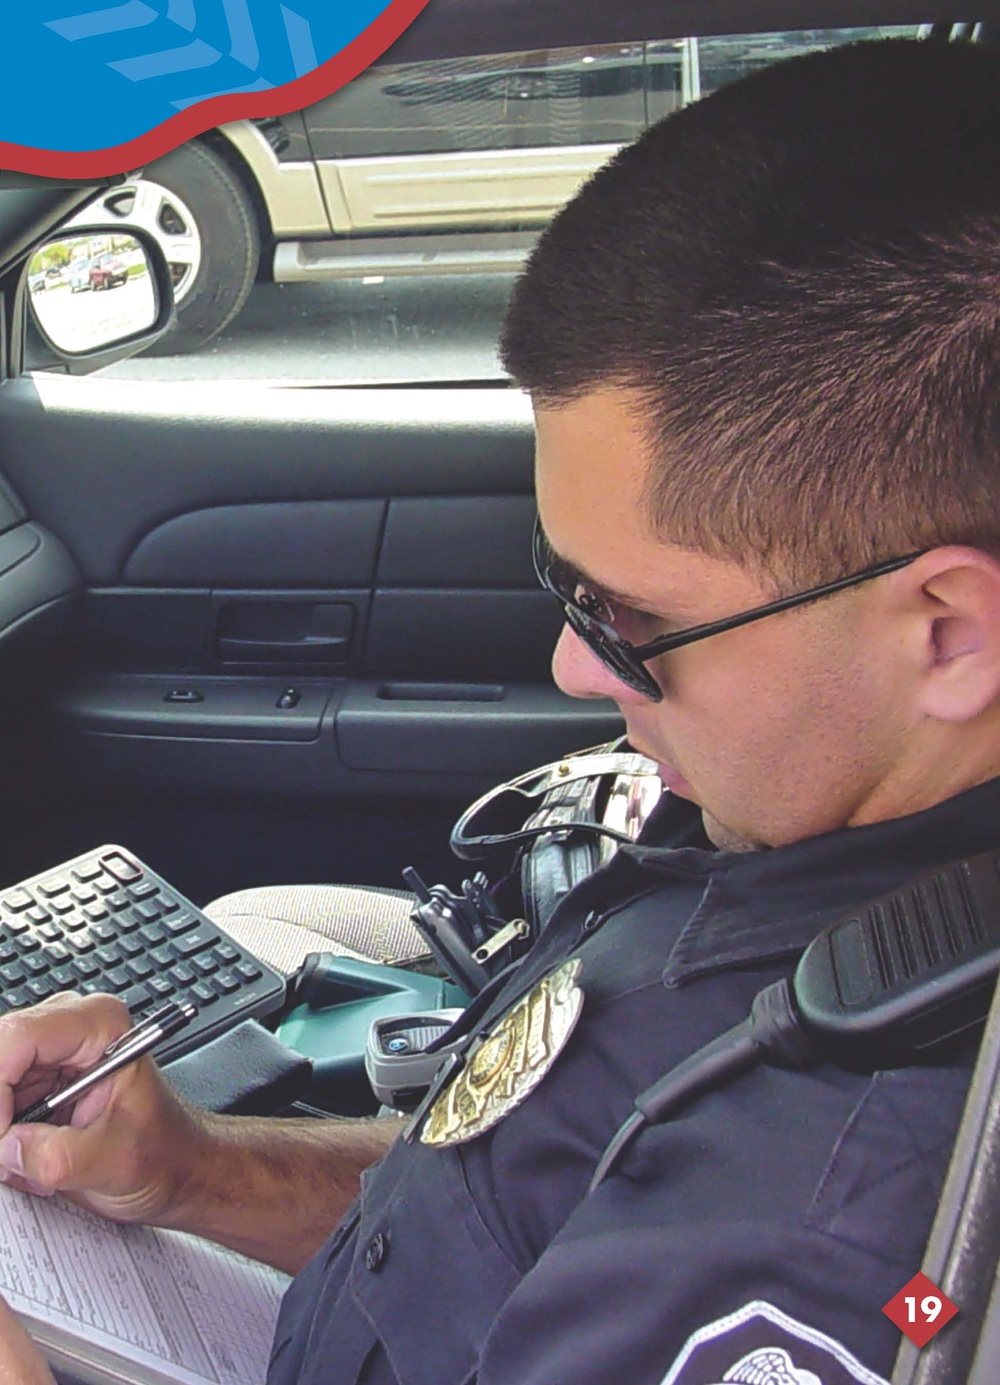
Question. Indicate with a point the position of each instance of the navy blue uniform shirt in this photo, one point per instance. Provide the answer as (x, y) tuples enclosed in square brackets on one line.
[(759, 1230)]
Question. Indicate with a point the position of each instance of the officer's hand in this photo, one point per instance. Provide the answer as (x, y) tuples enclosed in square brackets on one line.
[(20, 1360), (128, 1145)]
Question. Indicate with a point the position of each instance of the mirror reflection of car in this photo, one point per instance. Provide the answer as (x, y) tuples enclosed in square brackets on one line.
[(79, 275), (107, 272), (36, 283)]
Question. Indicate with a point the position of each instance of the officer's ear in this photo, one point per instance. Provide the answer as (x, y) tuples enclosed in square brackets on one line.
[(959, 605)]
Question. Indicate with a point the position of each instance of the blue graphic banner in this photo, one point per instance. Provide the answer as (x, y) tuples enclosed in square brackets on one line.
[(96, 88)]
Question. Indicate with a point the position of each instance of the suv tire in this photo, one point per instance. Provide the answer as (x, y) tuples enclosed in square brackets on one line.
[(226, 223)]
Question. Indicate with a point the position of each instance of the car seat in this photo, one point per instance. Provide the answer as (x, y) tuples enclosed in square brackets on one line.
[(282, 924)]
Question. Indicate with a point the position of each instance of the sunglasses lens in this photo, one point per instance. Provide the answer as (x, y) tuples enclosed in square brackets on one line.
[(602, 641), (612, 654)]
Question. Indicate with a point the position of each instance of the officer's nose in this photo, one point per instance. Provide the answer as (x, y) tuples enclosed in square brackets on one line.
[(579, 672)]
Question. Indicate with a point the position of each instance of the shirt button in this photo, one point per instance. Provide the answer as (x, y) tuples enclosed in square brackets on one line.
[(376, 1251)]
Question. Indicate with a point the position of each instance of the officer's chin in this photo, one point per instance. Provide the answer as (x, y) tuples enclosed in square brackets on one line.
[(726, 838)]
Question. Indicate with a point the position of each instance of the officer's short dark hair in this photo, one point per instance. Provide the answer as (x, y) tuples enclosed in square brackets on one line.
[(799, 278)]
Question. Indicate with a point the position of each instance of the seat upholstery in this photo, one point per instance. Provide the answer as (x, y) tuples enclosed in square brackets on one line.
[(281, 924)]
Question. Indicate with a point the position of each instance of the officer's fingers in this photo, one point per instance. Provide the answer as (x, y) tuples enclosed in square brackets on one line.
[(95, 1150), (121, 1153), (47, 1159), (21, 1362), (66, 1032)]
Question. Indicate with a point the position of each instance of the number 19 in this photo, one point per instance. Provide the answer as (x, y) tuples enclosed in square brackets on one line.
[(930, 1307)]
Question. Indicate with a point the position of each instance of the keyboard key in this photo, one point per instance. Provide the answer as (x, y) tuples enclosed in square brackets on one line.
[(39, 988), (95, 912), (143, 891), (203, 993), (139, 968), (37, 914), (160, 987), (147, 910), (87, 871), (127, 921), (12, 973), (80, 943), (83, 894), (65, 904), (136, 998), (58, 953), (162, 956), (14, 927), (103, 933), (51, 932), (108, 955), (117, 864), (8, 953), (17, 998), (118, 977), (85, 968), (225, 983), (182, 974), (27, 943), (196, 941), (98, 985), (226, 953), (57, 884), (205, 964), (130, 946), (64, 977), (166, 906), (118, 900), (248, 971), (35, 964), (153, 934), (17, 900), (105, 884), (180, 924)]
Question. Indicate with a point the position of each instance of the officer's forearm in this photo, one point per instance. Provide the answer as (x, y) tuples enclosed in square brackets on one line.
[(275, 1189)]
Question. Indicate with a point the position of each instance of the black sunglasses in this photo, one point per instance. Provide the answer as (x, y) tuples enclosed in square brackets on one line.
[(593, 617)]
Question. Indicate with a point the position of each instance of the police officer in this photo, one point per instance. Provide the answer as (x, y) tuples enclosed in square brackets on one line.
[(761, 346)]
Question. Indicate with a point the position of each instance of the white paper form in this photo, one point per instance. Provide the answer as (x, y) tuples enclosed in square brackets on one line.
[(159, 1298)]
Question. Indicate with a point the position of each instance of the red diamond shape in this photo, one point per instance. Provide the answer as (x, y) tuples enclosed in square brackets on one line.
[(920, 1310)]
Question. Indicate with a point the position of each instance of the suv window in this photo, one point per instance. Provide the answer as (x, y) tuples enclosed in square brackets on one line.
[(375, 235)]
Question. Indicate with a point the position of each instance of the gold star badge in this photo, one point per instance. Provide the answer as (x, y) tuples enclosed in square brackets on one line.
[(511, 1060)]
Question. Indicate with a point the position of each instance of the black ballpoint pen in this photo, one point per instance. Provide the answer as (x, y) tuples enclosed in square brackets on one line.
[(123, 1050)]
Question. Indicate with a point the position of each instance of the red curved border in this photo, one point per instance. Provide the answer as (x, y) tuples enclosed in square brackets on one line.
[(360, 53)]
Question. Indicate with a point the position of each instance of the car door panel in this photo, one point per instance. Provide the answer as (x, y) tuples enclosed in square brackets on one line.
[(367, 552)]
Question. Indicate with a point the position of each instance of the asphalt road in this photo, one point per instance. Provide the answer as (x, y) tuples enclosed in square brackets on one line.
[(350, 332)]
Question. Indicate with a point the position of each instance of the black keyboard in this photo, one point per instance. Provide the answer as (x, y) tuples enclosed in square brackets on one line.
[(106, 922)]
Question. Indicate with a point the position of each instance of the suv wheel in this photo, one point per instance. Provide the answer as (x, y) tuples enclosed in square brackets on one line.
[(200, 213)]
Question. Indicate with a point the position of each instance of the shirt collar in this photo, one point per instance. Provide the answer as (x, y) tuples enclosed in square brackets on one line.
[(763, 905)]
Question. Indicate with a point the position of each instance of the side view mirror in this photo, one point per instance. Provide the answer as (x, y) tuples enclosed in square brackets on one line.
[(96, 295)]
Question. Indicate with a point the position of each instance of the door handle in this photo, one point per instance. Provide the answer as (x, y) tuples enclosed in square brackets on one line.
[(285, 632)]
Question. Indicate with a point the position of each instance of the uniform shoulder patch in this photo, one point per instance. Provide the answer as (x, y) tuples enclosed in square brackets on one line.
[(761, 1345)]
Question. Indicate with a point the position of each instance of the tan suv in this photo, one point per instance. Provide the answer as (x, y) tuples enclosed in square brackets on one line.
[(438, 167)]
